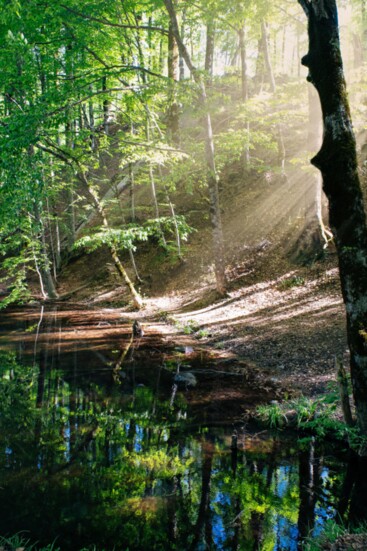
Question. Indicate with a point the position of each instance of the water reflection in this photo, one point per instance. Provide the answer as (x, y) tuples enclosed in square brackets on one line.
[(94, 450)]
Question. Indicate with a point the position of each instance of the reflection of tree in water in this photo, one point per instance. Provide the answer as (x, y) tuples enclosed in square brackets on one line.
[(204, 513), (96, 462), (352, 506), (309, 488)]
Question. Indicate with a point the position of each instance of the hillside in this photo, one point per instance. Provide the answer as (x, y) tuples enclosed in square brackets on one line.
[(283, 313)]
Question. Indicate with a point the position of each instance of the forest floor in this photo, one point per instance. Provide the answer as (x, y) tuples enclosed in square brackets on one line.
[(283, 313), (288, 327)]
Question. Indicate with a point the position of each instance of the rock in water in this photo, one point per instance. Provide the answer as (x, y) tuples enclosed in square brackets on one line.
[(185, 379), (137, 329)]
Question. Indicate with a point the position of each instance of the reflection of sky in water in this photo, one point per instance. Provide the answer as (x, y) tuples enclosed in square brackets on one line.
[(283, 473), (325, 508), (222, 498), (286, 535), (139, 435), (67, 453), (220, 532)]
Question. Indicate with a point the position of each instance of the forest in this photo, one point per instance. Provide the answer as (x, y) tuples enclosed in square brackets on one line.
[(183, 275)]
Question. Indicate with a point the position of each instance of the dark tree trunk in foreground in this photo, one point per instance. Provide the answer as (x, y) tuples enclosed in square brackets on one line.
[(337, 162)]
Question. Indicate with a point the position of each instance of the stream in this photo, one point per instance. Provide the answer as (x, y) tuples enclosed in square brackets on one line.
[(103, 446)]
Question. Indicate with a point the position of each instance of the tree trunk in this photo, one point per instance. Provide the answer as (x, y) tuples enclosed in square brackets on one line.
[(44, 263), (209, 51), (344, 392), (106, 108), (271, 79), (181, 62), (244, 89), (260, 65), (137, 300), (268, 65), (45, 269), (212, 176), (337, 161), (93, 141), (173, 125), (153, 189)]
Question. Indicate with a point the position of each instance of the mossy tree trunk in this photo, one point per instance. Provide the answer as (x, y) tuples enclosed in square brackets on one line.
[(337, 162)]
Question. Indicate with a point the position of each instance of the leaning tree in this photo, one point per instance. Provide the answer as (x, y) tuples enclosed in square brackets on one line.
[(337, 161)]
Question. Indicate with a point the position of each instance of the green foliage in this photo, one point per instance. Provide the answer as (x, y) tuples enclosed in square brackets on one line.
[(314, 414), (202, 334), (125, 238), (318, 416), (272, 415), (18, 541), (294, 281), (15, 279), (128, 237), (331, 532), (189, 327)]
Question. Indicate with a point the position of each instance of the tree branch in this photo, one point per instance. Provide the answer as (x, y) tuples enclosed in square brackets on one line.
[(181, 46), (86, 98), (54, 154), (112, 24)]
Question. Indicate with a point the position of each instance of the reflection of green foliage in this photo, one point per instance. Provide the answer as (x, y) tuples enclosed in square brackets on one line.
[(16, 392), (120, 467), (18, 542)]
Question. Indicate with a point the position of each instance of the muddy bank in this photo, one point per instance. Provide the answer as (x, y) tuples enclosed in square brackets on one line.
[(217, 385)]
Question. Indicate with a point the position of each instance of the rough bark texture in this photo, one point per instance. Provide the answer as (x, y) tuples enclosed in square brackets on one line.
[(344, 392), (337, 162)]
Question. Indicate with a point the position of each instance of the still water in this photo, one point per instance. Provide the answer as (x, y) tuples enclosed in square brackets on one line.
[(100, 449)]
